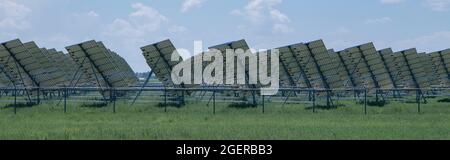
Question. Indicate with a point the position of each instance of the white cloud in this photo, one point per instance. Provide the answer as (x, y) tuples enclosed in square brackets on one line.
[(121, 27), (438, 5), (140, 22), (256, 10), (392, 1), (379, 20), (189, 4), (146, 18), (278, 16), (259, 12), (93, 14), (13, 15)]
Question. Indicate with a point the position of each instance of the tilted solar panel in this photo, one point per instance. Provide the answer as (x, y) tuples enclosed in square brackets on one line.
[(12, 55), (429, 69), (327, 66), (125, 69), (366, 67), (339, 71), (97, 63), (67, 68), (5, 78), (55, 71), (294, 69), (311, 65), (411, 69), (441, 62), (158, 57), (236, 45)]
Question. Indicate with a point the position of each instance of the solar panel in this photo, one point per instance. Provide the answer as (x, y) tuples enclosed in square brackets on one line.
[(17, 61), (429, 69), (292, 68), (5, 79), (286, 79), (441, 62), (158, 56), (310, 65), (388, 60), (411, 71), (339, 71), (68, 68), (97, 63), (330, 78), (54, 70), (365, 66), (240, 44), (125, 69)]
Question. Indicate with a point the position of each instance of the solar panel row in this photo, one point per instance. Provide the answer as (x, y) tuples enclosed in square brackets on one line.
[(312, 65), (25, 65)]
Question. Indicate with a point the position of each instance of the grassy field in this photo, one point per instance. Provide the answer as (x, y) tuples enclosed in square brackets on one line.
[(196, 121)]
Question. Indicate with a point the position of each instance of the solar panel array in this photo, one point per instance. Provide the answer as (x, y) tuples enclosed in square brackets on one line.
[(312, 65), (304, 65)]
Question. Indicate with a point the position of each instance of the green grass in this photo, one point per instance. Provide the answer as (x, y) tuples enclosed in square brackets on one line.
[(196, 121)]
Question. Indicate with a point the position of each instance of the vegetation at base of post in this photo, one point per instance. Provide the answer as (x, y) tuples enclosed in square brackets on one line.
[(242, 105), (445, 100), (170, 104), (94, 105), (20, 105)]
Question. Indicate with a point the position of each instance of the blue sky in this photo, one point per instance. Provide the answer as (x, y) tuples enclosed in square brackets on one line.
[(126, 25)]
